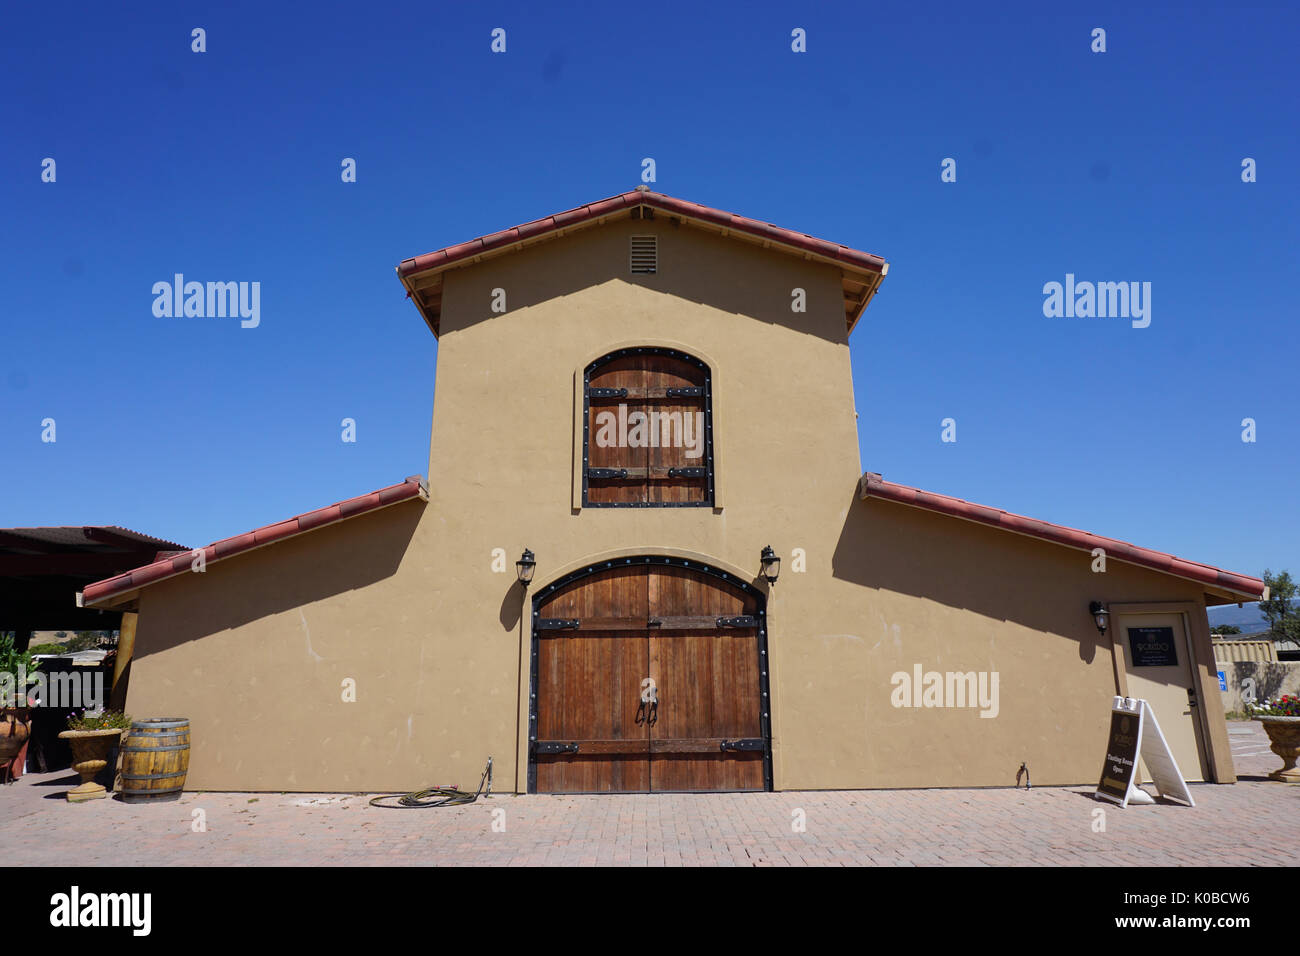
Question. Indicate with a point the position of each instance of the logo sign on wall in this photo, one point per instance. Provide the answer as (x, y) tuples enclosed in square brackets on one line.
[(1134, 733), (1152, 647)]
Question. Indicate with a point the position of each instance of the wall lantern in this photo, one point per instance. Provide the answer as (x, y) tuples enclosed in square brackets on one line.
[(1099, 615), (525, 567), (771, 565)]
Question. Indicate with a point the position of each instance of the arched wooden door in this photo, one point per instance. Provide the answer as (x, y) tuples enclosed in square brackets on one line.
[(649, 674)]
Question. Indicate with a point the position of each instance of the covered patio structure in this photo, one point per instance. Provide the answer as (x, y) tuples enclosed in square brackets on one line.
[(41, 572)]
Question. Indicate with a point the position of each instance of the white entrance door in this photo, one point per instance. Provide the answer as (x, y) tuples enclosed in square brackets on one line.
[(1158, 662)]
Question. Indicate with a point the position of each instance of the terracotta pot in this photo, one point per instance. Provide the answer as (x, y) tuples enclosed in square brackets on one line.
[(90, 753), (15, 728), (1284, 736)]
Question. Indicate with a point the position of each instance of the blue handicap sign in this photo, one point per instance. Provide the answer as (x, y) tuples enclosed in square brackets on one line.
[(1223, 681)]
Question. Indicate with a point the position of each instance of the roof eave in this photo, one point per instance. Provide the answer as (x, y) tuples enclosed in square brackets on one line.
[(1233, 588), (118, 601), (124, 588), (475, 250), (415, 299), (866, 300)]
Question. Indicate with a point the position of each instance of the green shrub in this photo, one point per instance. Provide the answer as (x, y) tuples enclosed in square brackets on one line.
[(48, 649), (108, 720)]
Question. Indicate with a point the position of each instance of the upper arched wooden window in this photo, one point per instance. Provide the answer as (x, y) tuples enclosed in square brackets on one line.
[(648, 431)]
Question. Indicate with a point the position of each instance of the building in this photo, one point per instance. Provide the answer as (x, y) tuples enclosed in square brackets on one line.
[(41, 572), (646, 393)]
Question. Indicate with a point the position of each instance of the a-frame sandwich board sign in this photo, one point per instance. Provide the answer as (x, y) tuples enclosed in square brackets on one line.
[(1134, 732)]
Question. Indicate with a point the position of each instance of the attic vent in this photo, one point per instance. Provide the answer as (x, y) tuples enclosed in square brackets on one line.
[(645, 255)]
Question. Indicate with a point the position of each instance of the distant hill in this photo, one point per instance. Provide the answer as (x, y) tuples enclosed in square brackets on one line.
[(1247, 618)]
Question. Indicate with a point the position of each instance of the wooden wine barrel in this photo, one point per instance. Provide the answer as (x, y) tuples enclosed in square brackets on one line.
[(155, 759)]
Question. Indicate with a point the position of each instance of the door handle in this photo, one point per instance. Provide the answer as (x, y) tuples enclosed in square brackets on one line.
[(649, 705)]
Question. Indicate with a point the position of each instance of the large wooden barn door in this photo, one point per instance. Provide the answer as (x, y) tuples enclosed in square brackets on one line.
[(590, 656), (705, 658), (649, 674)]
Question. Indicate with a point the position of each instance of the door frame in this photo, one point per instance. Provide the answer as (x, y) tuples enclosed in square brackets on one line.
[(608, 562), (1211, 726)]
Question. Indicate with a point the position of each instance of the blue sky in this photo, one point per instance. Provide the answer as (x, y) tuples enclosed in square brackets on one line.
[(225, 165)]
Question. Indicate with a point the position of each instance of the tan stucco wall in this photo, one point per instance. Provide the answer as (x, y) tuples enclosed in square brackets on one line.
[(1267, 679), (405, 601)]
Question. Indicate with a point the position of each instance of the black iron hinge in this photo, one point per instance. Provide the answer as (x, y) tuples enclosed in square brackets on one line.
[(688, 472), (554, 747), (606, 472), (742, 620), (557, 624), (747, 743), (607, 392), (693, 391)]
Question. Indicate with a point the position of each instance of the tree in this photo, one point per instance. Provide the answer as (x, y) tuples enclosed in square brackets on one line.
[(1226, 629), (1280, 609), (86, 640)]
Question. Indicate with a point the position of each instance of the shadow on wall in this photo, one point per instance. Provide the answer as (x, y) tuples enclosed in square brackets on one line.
[(893, 547), (512, 606), (280, 577), (1258, 680)]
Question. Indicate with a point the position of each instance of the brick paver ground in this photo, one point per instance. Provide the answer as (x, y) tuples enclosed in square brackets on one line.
[(1250, 823)]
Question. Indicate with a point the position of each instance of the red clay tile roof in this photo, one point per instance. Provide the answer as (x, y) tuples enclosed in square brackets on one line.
[(169, 566), (873, 485), (427, 298), (628, 200)]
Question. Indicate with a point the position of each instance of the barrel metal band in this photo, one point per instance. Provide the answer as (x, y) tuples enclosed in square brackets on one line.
[(151, 776)]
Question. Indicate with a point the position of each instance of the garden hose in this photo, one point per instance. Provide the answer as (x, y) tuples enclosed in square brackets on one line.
[(437, 796)]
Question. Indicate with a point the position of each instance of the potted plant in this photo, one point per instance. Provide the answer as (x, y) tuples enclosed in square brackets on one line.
[(17, 672), (1281, 720), (93, 738)]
